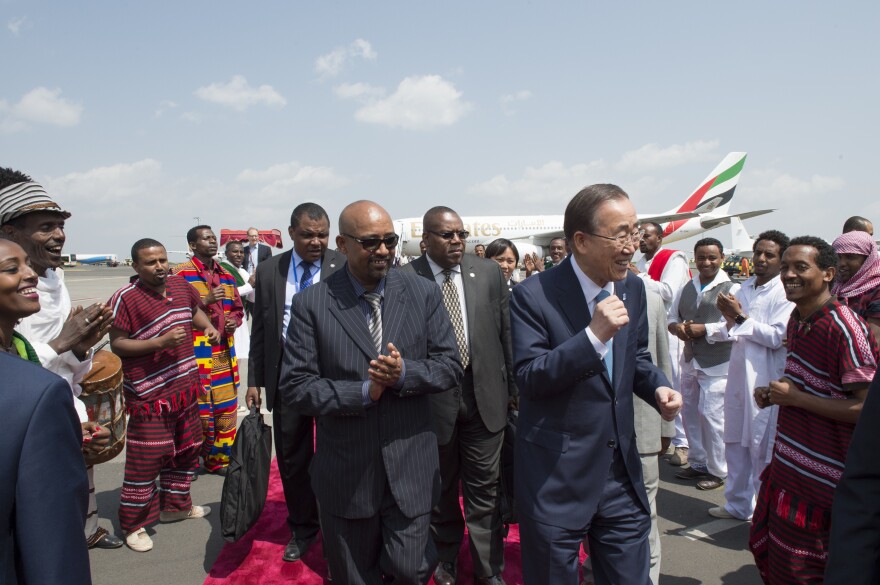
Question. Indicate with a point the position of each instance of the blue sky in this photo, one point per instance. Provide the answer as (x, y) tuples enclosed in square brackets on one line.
[(139, 117)]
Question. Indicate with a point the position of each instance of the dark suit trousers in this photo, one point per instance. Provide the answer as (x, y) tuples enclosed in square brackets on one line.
[(387, 546), (294, 447), (618, 537), (473, 456)]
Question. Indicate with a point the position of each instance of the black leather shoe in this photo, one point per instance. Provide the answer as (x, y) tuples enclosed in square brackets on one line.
[(297, 548), (493, 580), (444, 574), (108, 541)]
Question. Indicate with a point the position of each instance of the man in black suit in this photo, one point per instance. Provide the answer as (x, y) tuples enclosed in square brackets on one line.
[(855, 516), (278, 279), (364, 349), (255, 252), (469, 420), (44, 493), (580, 336)]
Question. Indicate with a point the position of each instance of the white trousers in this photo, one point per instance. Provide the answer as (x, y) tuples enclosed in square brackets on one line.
[(703, 414)]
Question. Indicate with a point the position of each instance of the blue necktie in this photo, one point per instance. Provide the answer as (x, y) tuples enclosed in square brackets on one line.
[(609, 357), (306, 280)]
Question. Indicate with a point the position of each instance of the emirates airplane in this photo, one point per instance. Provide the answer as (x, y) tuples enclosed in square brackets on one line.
[(704, 209)]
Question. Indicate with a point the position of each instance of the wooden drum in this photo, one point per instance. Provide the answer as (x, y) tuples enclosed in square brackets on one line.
[(102, 395)]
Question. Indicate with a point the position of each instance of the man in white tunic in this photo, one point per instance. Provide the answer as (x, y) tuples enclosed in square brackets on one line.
[(755, 320), (665, 272), (62, 337)]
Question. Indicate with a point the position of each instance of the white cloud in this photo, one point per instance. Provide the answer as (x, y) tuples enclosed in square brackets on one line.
[(419, 103), (15, 24), (331, 64), (552, 182), (39, 106), (651, 156), (282, 180), (508, 101), (192, 117), (774, 188), (239, 95), (358, 90), (164, 106), (110, 184)]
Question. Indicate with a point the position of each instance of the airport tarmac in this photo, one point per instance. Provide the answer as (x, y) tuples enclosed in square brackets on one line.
[(696, 548)]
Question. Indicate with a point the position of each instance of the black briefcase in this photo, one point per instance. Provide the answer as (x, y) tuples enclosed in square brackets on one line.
[(508, 503), (247, 478)]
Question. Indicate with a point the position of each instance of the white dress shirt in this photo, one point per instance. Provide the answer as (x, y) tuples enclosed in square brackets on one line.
[(294, 274), (591, 291), (456, 276)]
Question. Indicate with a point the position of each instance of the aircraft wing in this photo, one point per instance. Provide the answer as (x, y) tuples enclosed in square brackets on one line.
[(661, 219), (542, 238), (713, 222)]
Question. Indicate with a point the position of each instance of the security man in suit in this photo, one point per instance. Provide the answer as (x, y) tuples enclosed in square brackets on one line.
[(278, 280), (364, 349), (44, 493), (580, 335), (469, 420)]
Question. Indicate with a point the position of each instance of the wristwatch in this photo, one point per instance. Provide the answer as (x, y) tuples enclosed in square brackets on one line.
[(740, 319)]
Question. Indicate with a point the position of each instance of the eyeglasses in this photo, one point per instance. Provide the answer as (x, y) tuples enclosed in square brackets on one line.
[(372, 244), (623, 240), (462, 234)]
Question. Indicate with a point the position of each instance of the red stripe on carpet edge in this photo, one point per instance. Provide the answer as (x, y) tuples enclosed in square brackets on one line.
[(256, 557)]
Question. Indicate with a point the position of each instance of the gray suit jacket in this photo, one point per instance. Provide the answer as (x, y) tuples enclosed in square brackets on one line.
[(264, 359), (649, 425), (361, 450), (486, 297)]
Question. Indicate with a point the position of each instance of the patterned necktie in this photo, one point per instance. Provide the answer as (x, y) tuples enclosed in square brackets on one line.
[(306, 280), (609, 357), (453, 306), (375, 301)]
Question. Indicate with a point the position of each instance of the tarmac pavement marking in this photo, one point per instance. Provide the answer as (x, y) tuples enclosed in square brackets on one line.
[(704, 531)]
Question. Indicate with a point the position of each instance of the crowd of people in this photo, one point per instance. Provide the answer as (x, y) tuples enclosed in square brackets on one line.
[(390, 390)]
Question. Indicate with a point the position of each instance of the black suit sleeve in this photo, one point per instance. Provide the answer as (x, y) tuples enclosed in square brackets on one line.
[(51, 494), (854, 553), (506, 344), (256, 355)]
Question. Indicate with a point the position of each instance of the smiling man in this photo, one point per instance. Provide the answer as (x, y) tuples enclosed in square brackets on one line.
[(61, 335), (754, 320), (218, 407), (279, 279), (580, 336), (363, 350), (832, 358), (694, 318), (152, 332)]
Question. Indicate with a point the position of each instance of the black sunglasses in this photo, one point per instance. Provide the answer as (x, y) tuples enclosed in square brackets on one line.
[(372, 244), (462, 235)]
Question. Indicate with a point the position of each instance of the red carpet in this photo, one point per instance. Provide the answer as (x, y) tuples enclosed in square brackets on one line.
[(256, 558)]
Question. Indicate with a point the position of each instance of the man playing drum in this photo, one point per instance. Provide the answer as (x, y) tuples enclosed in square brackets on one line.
[(152, 332), (62, 336)]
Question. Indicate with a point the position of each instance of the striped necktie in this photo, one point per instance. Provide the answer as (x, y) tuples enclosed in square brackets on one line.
[(609, 357), (306, 280), (375, 300), (453, 306)]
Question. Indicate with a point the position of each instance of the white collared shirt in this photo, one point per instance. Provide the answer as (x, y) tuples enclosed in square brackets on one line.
[(294, 274), (254, 254), (591, 291), (456, 276)]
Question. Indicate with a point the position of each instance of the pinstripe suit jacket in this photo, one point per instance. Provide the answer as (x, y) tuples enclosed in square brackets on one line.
[(361, 449)]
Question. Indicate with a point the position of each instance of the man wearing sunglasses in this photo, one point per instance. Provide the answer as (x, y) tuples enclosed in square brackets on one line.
[(469, 420), (279, 278), (363, 350), (580, 335)]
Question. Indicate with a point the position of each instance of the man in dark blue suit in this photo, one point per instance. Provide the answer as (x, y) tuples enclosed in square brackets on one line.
[(365, 347), (580, 336), (44, 493)]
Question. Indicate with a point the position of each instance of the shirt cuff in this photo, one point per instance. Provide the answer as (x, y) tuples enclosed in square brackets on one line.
[(365, 392), (399, 385), (601, 348)]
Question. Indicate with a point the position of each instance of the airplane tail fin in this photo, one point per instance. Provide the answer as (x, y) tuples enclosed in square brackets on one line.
[(740, 240)]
